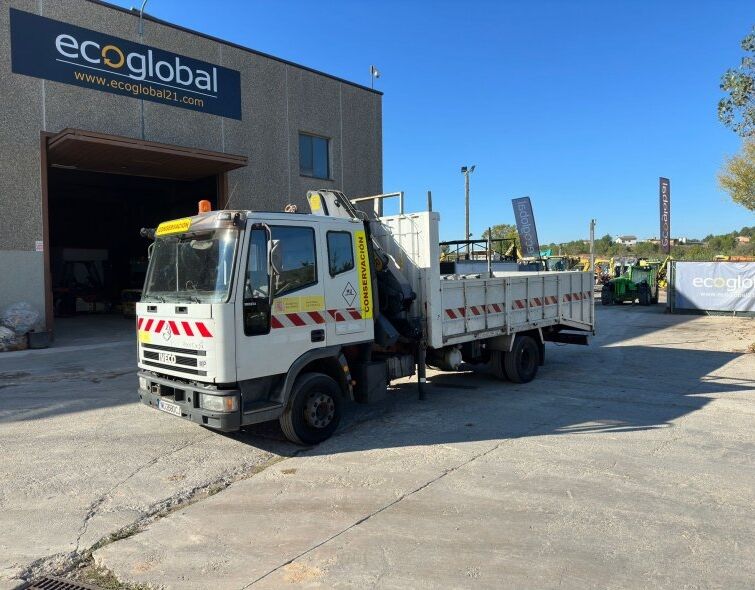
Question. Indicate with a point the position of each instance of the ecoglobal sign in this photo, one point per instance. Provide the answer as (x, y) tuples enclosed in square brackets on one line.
[(53, 50), (716, 286)]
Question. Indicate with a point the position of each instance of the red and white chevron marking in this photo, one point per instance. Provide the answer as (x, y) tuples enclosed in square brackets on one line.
[(177, 327), (577, 296), (314, 318), (456, 313)]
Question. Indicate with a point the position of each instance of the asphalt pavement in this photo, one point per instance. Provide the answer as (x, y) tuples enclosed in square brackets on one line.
[(628, 463)]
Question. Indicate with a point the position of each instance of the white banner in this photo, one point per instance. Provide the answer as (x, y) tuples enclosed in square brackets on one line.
[(715, 286)]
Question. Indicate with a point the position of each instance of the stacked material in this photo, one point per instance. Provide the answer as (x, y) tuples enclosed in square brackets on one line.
[(16, 321)]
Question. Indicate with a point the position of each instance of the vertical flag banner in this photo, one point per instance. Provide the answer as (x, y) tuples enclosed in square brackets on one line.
[(525, 225), (664, 195)]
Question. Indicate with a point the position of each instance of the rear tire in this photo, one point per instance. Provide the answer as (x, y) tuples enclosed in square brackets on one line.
[(522, 362), (496, 364), (313, 410)]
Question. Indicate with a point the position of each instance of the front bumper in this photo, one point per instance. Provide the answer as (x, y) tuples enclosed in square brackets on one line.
[(187, 397)]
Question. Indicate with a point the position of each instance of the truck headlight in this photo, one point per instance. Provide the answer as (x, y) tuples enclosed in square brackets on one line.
[(143, 384), (219, 403)]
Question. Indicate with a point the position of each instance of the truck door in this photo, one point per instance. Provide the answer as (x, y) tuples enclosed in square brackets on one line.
[(297, 322), (343, 291)]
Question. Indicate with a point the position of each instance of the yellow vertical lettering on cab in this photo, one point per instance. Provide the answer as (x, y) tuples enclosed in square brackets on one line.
[(363, 270)]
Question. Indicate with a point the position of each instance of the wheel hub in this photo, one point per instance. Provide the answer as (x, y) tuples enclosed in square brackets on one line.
[(320, 410)]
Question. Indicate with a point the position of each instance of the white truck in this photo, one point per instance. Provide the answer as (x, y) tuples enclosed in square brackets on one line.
[(253, 316)]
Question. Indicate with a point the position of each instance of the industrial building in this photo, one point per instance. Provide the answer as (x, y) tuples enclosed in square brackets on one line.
[(113, 121)]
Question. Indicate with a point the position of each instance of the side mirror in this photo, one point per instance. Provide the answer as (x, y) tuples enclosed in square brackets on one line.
[(276, 257)]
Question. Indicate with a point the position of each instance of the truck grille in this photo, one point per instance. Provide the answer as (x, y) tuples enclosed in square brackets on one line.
[(177, 350), (154, 356), (180, 360)]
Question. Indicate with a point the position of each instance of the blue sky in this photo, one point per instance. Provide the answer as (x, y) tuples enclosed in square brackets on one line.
[(581, 105)]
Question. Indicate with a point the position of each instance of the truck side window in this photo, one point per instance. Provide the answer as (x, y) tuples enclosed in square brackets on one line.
[(256, 285), (293, 259), (340, 252)]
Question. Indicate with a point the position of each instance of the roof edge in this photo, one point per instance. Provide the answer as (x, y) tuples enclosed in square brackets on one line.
[(135, 12)]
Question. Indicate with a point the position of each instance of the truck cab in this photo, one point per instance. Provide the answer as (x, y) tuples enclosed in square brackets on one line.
[(233, 300)]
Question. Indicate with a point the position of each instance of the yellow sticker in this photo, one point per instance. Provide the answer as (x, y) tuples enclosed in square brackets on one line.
[(175, 226), (312, 302), (145, 337), (363, 268), (314, 202), (287, 305), (297, 304)]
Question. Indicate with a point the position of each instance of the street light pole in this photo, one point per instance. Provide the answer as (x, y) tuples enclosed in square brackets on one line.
[(466, 172)]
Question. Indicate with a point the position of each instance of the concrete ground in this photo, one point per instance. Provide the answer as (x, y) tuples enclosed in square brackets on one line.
[(81, 459), (625, 464)]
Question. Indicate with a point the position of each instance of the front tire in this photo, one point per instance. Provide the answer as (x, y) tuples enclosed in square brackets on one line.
[(644, 294), (606, 298), (313, 410), (522, 362)]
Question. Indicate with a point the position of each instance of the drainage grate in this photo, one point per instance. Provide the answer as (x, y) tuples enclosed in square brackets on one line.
[(53, 583)]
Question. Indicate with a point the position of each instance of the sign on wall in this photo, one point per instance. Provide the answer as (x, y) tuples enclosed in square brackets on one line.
[(664, 197), (53, 50), (525, 225), (715, 286)]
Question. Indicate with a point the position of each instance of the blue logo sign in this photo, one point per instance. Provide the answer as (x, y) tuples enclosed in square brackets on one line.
[(53, 50), (525, 226)]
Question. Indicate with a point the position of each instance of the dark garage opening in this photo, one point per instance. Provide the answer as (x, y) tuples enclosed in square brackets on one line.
[(100, 191), (97, 257)]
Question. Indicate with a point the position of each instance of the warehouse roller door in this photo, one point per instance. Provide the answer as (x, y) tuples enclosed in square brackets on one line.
[(98, 192)]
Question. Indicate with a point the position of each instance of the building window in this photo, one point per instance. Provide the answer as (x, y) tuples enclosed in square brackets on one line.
[(340, 252), (313, 156), (293, 259)]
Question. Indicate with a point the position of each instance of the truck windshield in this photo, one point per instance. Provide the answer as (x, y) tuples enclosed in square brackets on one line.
[(196, 268)]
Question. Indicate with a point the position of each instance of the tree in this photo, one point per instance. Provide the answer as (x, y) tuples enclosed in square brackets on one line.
[(738, 176), (503, 230), (737, 109), (604, 244)]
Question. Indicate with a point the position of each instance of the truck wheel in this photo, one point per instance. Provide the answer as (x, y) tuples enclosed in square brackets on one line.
[(496, 364), (643, 296), (605, 295), (521, 363), (313, 410)]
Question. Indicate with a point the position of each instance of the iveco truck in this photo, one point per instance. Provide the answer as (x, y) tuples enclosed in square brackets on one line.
[(253, 316)]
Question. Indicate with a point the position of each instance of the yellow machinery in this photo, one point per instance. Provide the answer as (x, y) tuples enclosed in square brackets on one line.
[(722, 258), (603, 268)]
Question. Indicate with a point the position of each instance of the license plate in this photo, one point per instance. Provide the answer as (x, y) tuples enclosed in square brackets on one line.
[(169, 407)]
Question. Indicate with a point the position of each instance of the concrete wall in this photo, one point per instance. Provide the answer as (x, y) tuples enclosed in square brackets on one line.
[(278, 101), (21, 279)]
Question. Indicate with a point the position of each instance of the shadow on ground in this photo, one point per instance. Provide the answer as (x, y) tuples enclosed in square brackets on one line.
[(612, 385)]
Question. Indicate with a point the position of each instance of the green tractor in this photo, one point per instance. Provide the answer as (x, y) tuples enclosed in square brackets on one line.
[(639, 284)]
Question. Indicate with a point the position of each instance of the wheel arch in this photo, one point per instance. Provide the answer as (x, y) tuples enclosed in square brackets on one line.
[(329, 361), (506, 343)]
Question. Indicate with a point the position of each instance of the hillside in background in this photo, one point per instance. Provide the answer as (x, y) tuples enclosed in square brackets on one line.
[(705, 249)]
